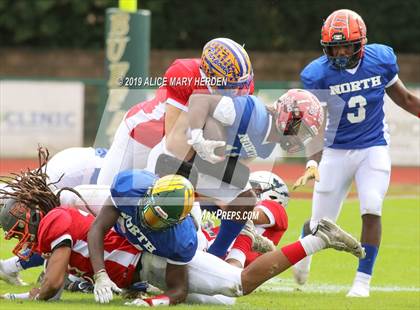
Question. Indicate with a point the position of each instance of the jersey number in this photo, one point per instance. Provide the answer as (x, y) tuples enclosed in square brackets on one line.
[(357, 101)]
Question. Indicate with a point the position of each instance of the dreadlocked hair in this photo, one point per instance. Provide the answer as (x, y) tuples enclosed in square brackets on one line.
[(33, 188)]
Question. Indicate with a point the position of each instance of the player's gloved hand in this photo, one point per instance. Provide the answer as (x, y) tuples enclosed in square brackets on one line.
[(311, 172), (160, 300), (205, 148), (104, 287)]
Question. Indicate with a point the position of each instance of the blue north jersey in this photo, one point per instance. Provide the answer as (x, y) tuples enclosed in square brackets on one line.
[(177, 243), (354, 97), (247, 135)]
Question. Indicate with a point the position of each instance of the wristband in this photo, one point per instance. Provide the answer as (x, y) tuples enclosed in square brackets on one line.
[(160, 300), (196, 135), (311, 163), (95, 276)]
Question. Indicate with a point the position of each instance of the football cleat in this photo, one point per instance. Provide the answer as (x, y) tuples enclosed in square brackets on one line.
[(338, 239), (260, 243), (359, 289), (11, 278), (361, 285)]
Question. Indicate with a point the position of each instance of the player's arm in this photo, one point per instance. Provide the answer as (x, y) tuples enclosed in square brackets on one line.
[(404, 98), (106, 218), (176, 138), (56, 271), (176, 282), (201, 107), (176, 292)]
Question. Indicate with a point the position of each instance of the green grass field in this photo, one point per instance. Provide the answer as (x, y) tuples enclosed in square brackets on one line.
[(396, 282)]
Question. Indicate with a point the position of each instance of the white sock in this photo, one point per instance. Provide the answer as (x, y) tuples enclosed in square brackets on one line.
[(363, 277), (312, 244), (238, 255), (11, 265)]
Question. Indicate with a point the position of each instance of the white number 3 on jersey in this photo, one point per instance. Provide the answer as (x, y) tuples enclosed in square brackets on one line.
[(357, 101)]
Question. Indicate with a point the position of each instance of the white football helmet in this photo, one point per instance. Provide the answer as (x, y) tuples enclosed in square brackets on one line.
[(268, 185)]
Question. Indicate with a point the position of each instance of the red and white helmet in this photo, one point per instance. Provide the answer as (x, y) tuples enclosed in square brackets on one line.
[(344, 27), (268, 185), (299, 116)]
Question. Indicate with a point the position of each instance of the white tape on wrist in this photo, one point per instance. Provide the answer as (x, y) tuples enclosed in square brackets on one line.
[(196, 135), (311, 163)]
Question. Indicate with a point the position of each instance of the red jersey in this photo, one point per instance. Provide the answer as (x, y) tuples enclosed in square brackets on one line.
[(273, 231), (277, 215), (71, 224), (145, 120)]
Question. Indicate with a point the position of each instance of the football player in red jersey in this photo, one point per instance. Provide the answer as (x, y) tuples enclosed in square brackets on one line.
[(227, 68), (272, 221), (59, 234)]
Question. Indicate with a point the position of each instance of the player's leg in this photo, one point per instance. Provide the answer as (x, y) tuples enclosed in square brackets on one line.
[(230, 229), (117, 154), (372, 181), (73, 165), (327, 235), (10, 268), (336, 171)]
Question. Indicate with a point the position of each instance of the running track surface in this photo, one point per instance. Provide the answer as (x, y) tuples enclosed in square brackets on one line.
[(288, 172)]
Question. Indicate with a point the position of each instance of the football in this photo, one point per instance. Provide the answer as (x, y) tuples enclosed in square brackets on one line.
[(213, 130)]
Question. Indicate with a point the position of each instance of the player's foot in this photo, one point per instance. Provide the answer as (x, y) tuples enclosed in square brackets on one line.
[(263, 244), (338, 239), (361, 285), (260, 243), (12, 278), (301, 270), (359, 289)]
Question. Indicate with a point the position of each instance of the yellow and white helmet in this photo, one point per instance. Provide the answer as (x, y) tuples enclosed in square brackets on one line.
[(170, 201), (225, 59)]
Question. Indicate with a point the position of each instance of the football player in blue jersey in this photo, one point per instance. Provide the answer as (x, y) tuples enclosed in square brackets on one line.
[(356, 76), (251, 130), (153, 215), (145, 210)]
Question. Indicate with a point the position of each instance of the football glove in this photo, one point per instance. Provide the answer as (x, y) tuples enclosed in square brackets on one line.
[(311, 172), (205, 148), (104, 287)]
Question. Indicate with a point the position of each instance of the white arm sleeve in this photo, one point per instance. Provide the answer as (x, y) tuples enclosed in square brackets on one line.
[(225, 111)]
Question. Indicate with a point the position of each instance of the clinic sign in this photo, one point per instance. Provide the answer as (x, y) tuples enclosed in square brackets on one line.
[(34, 112)]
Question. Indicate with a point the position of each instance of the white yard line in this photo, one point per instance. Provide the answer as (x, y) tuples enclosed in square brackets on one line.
[(288, 285)]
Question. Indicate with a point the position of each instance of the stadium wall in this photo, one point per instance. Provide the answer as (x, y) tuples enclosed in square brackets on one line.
[(273, 66)]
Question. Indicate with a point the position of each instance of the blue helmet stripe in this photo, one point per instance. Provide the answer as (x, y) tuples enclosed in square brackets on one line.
[(234, 53), (213, 67)]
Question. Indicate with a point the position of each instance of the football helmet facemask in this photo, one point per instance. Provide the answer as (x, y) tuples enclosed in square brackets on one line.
[(21, 222)]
